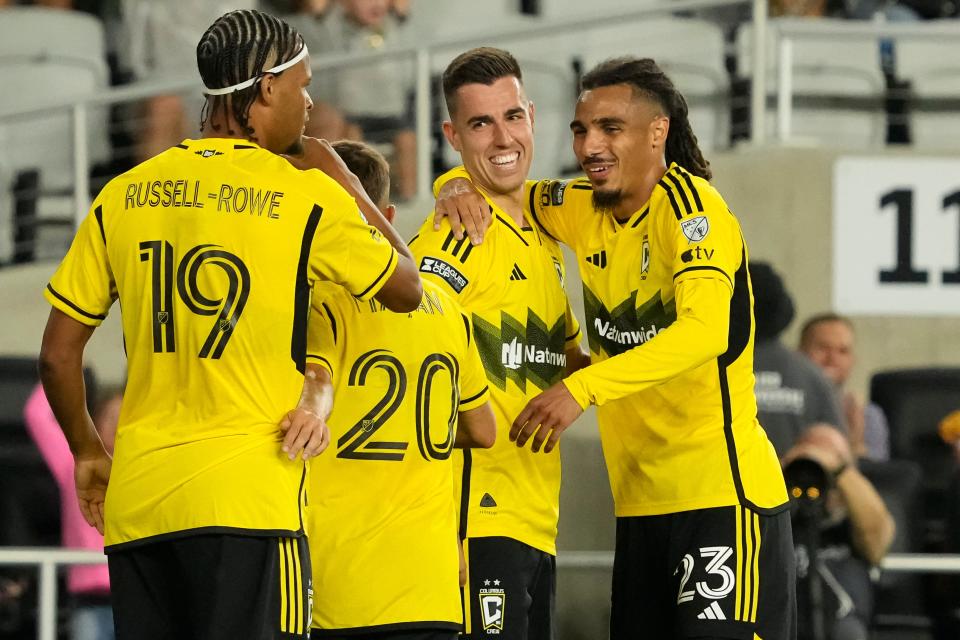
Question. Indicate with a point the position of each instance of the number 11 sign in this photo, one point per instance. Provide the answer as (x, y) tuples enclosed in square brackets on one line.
[(896, 236)]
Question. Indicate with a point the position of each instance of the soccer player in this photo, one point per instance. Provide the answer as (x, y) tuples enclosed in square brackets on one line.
[(704, 546), (512, 285), (406, 389), (212, 247)]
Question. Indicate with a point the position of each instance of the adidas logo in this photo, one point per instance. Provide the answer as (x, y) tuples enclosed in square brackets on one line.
[(598, 259), (516, 274), (713, 612), (487, 501)]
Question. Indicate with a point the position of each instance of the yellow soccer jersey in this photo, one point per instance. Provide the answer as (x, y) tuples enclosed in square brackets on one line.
[(211, 248), (512, 285), (678, 427), (382, 513), (678, 432)]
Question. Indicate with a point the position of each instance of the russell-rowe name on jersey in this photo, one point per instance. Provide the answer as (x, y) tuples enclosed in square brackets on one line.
[(446, 271)]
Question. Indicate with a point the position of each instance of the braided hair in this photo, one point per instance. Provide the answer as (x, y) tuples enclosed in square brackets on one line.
[(647, 80), (237, 47)]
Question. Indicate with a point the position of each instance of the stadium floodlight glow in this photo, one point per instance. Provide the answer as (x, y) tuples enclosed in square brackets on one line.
[(249, 83)]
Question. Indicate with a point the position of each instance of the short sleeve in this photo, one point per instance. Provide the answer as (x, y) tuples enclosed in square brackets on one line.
[(345, 249), (473, 379), (449, 262), (559, 206), (83, 286), (704, 243), (324, 329)]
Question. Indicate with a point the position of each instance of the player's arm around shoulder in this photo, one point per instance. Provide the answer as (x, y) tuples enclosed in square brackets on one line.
[(385, 270)]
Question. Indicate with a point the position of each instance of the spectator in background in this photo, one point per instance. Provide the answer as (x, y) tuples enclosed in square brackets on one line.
[(792, 394), (89, 585), (369, 102), (854, 536), (828, 340), (160, 39)]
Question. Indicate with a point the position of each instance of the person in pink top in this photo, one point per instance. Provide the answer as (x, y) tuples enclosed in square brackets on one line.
[(89, 585)]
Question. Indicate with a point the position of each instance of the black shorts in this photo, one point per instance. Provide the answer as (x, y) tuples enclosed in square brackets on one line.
[(511, 590), (725, 572), (211, 587), (425, 634)]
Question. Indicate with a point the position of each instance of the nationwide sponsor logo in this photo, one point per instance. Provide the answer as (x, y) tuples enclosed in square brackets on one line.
[(523, 352), (493, 602), (515, 354), (696, 229), (697, 253), (628, 324), (446, 271)]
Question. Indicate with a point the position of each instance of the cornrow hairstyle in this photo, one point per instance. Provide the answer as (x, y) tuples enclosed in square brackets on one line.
[(369, 166), (239, 46), (483, 65), (649, 81), (806, 332)]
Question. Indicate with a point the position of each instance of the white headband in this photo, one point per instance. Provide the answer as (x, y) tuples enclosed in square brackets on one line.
[(249, 83)]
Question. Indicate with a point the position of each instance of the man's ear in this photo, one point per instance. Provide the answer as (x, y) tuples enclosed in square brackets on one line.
[(531, 110), (389, 212), (451, 135), (268, 89), (659, 129)]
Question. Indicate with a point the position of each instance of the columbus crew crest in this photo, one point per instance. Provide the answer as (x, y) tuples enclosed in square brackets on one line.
[(493, 601)]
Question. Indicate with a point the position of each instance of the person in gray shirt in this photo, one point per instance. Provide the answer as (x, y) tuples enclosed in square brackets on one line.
[(792, 393)]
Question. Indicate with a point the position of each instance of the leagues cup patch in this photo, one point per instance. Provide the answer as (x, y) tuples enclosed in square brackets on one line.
[(446, 271), (696, 229)]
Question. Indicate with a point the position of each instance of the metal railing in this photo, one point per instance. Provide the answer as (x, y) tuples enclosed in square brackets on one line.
[(422, 57), (792, 30), (48, 560)]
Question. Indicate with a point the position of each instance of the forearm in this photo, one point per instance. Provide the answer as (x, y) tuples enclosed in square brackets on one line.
[(873, 526), (697, 336), (376, 219), (61, 373), (317, 394), (577, 359)]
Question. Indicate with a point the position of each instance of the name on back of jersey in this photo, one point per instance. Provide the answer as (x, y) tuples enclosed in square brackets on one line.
[(191, 194)]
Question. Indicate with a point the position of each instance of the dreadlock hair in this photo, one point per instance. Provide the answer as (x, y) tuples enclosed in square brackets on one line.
[(483, 65), (647, 80), (238, 46)]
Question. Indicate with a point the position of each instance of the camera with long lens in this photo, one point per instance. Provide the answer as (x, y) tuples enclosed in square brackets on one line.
[(808, 483)]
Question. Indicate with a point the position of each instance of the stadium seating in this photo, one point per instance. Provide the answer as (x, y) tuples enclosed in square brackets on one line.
[(915, 400), (931, 64), (838, 86), (68, 61)]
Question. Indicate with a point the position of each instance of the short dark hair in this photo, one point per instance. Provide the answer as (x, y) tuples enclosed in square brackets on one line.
[(369, 166), (650, 82), (483, 65), (238, 46), (819, 319)]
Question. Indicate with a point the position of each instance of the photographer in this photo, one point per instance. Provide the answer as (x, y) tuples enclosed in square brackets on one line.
[(852, 527)]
